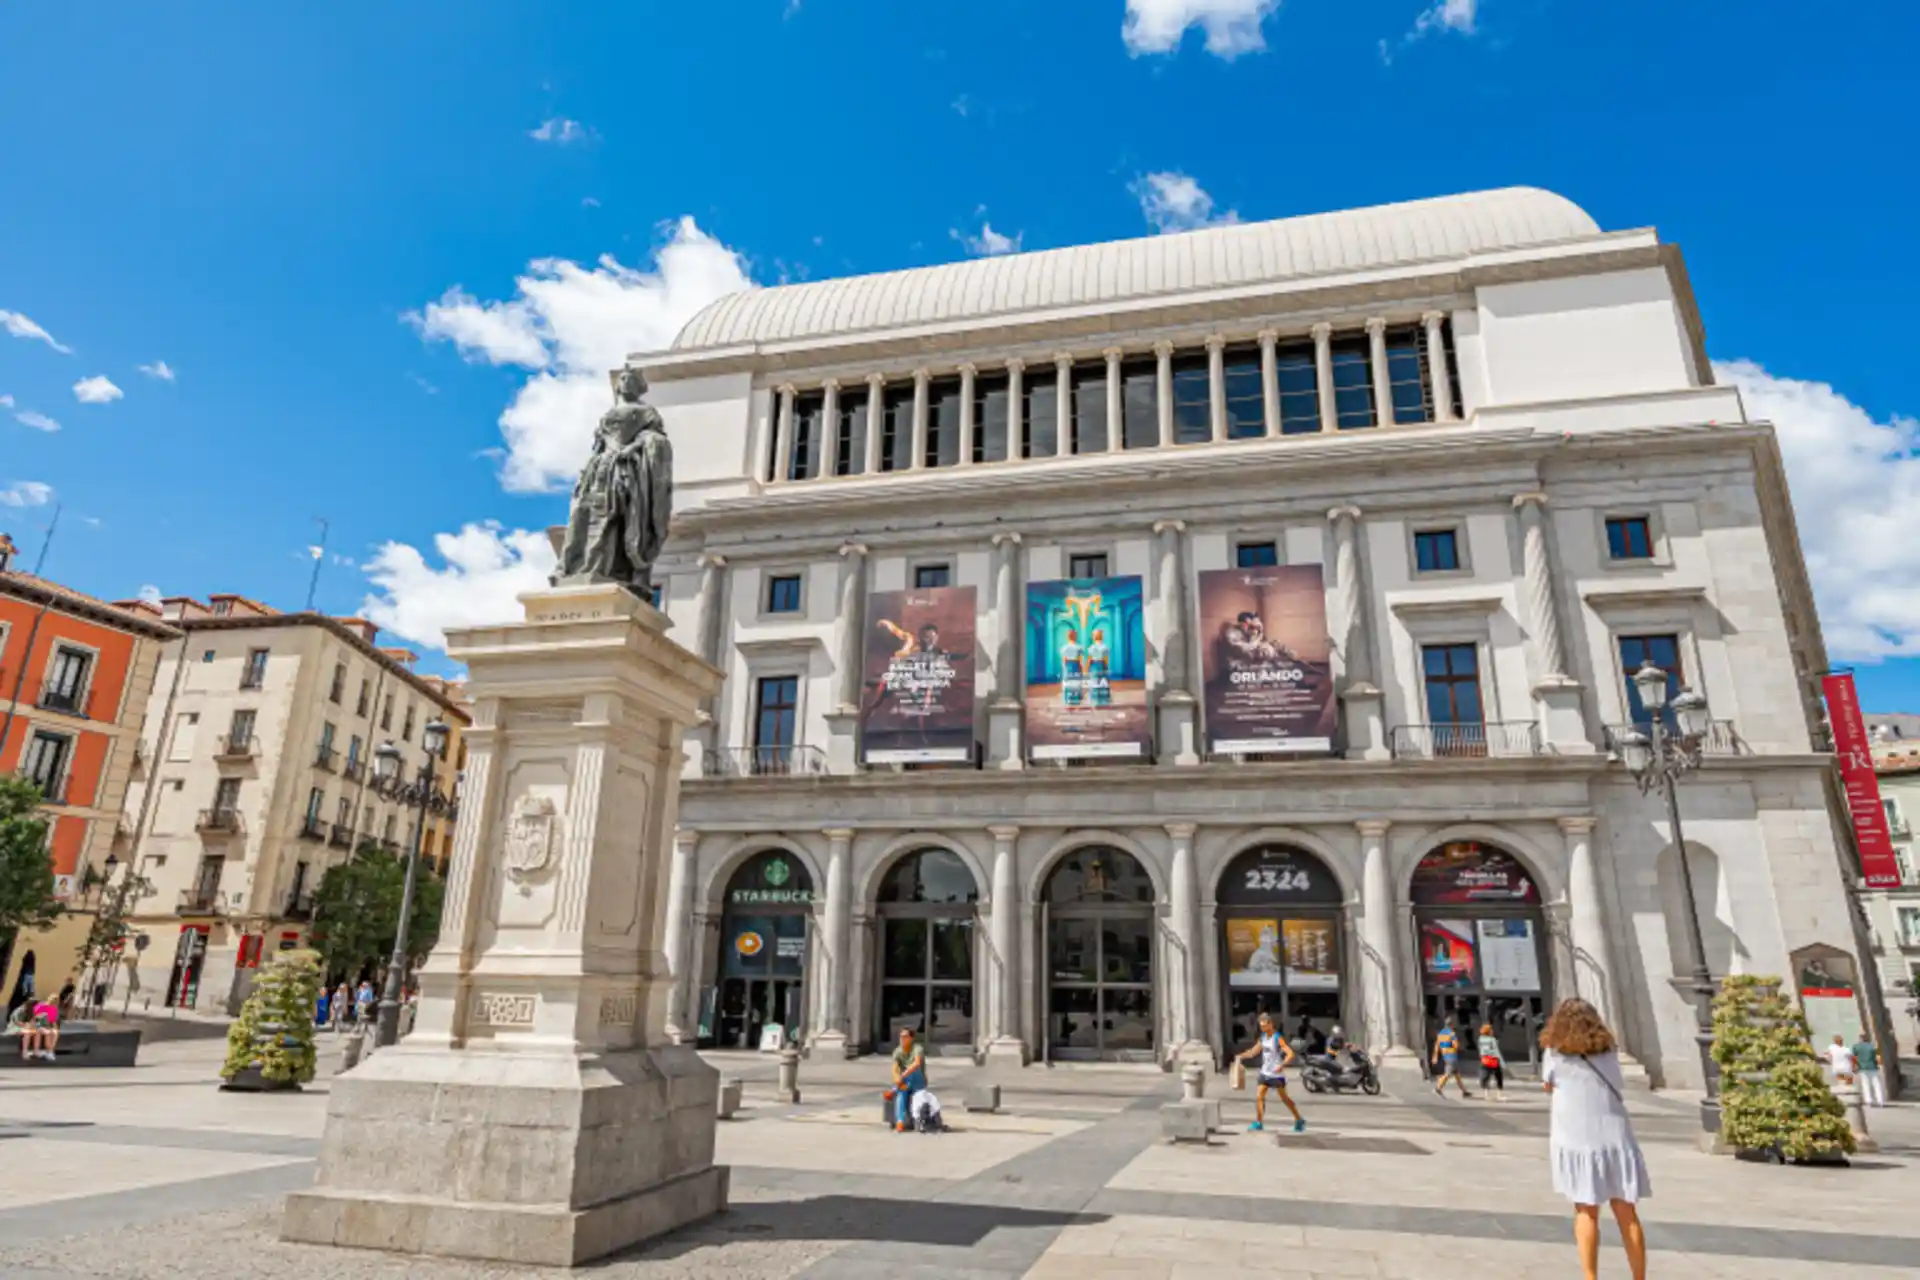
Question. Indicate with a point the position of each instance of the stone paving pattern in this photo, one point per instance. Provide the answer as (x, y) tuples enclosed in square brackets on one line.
[(152, 1172)]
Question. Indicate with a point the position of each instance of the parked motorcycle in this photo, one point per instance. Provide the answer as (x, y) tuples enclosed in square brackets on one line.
[(1333, 1073)]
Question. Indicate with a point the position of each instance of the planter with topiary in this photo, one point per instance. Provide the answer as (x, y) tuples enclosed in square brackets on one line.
[(1775, 1104), (270, 1045)]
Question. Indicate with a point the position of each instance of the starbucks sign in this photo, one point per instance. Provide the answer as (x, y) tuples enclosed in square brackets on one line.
[(772, 879)]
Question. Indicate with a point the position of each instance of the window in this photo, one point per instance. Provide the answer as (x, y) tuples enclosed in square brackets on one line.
[(1406, 376), (1040, 416), (932, 575), (809, 428), (386, 830), (45, 763), (316, 800), (406, 725), (1903, 858), (66, 688), (896, 429), (1192, 400), (1246, 397), (364, 701), (1910, 926), (1436, 550), (254, 674), (338, 689), (943, 422), (1629, 538), (1090, 408), (221, 608), (1140, 404), (1255, 555), (992, 402), (1452, 673), (207, 656), (386, 713), (850, 435), (240, 732), (776, 700), (783, 593), (343, 812), (1353, 384), (353, 751), (1299, 378), (1664, 653), (1093, 565), (226, 795)]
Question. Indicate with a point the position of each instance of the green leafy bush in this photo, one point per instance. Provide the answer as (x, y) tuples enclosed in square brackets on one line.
[(1773, 1094), (275, 1028)]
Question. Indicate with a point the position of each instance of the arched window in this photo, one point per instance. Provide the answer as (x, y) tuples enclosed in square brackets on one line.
[(1096, 874), (1099, 948), (931, 876), (926, 913)]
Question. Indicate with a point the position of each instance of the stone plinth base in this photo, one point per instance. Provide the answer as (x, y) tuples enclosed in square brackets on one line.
[(1006, 1051), (546, 1159)]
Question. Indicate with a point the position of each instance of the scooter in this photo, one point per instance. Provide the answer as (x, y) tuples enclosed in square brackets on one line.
[(1331, 1073)]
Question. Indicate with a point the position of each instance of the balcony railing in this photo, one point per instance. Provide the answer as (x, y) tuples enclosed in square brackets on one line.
[(221, 819), (326, 758), (67, 704), (765, 762), (341, 837), (299, 905), (237, 746), (1720, 739), (52, 790), (202, 900), (355, 770), (313, 828), (1465, 741)]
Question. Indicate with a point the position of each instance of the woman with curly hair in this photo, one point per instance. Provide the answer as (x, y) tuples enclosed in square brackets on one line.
[(1596, 1160)]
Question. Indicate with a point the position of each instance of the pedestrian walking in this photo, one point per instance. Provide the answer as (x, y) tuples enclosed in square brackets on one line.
[(1840, 1060), (342, 1008), (1446, 1061), (1596, 1159), (1493, 1065), (363, 1002), (1866, 1063), (320, 1010), (1275, 1056)]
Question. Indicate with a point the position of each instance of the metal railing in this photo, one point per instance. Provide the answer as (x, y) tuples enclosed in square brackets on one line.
[(52, 790), (240, 746), (201, 900), (1720, 739), (355, 770), (67, 704), (299, 905), (765, 762), (1465, 741), (326, 758), (341, 837), (220, 818), (313, 828)]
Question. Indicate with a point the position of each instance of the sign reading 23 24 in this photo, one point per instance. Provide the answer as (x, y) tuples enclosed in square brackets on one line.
[(1283, 880)]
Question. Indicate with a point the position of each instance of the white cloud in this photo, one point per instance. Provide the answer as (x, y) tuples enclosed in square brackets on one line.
[(149, 593), (26, 493), (989, 243), (21, 327), (792, 9), (6, 402), (1232, 27), (96, 390), (589, 202), (570, 324), (560, 131), (38, 421), (158, 369), (1176, 202), (1459, 16), (1856, 498), (484, 569)]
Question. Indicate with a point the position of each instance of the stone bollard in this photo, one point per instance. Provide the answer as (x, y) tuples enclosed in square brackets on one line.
[(1184, 1122), (732, 1090), (1849, 1095), (789, 1085), (1193, 1082), (350, 1053), (983, 1098)]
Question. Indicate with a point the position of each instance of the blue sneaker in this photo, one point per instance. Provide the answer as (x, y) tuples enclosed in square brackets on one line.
[(1299, 1126), (1255, 1127)]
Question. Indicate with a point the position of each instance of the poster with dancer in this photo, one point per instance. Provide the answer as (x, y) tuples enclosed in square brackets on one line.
[(916, 698), (1086, 687)]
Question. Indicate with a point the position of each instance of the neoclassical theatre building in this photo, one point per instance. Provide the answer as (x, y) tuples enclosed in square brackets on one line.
[(1124, 639)]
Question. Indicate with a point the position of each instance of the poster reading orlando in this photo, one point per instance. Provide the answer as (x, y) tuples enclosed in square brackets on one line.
[(1266, 660), (916, 697)]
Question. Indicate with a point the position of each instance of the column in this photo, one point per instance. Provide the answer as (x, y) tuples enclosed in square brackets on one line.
[(827, 455), (1016, 409), (1438, 375), (843, 722), (876, 410), (1565, 728), (1004, 714), (920, 379), (783, 436), (1116, 417), (681, 1020), (1163, 390), (713, 577), (1366, 736), (1004, 935), (1382, 377), (1217, 385), (1063, 405), (1270, 381), (1592, 949), (833, 1036), (1177, 736), (1380, 944), (1323, 375), (1183, 910), (967, 373)]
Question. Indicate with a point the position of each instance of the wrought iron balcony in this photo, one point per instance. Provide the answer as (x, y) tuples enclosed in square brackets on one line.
[(221, 820), (341, 837), (1720, 739), (299, 905), (67, 704), (237, 746), (765, 762), (1471, 741), (201, 900), (312, 828), (326, 758), (355, 770)]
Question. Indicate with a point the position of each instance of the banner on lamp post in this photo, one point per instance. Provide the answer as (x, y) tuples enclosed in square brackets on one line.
[(1864, 810)]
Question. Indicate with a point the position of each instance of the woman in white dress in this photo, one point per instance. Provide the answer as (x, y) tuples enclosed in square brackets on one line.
[(1596, 1160)]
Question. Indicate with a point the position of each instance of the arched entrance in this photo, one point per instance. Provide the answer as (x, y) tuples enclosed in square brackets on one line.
[(1280, 945), (1097, 929), (763, 950), (926, 906), (1481, 938)]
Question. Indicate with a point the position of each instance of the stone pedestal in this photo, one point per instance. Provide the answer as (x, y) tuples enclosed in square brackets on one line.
[(1565, 726), (843, 741), (537, 1114), (1179, 738), (1362, 705), (1004, 747)]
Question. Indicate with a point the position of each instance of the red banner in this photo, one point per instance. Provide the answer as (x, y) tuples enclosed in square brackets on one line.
[(1855, 751)]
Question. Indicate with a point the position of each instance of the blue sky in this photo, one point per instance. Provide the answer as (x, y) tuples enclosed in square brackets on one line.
[(322, 219)]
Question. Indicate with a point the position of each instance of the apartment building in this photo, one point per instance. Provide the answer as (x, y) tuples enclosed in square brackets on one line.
[(75, 673), (1126, 639), (259, 768), (1893, 914)]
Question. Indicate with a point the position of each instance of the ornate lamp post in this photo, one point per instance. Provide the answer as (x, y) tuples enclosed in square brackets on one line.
[(1658, 760), (421, 794)]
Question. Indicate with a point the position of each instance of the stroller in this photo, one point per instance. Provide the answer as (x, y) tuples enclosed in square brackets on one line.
[(926, 1113)]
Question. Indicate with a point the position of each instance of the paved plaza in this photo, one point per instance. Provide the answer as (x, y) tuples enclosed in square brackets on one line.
[(153, 1172)]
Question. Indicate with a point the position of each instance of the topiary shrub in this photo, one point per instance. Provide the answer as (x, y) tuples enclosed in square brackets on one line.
[(273, 1035), (1773, 1095)]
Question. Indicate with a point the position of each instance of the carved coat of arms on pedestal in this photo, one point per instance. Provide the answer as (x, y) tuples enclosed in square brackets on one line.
[(530, 835)]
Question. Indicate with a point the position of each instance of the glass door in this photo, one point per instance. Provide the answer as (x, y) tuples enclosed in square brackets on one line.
[(1100, 985), (926, 979)]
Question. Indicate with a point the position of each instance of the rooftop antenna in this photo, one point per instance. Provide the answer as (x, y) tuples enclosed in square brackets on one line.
[(319, 558)]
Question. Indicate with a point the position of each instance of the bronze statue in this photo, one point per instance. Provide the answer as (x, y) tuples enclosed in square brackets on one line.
[(623, 498)]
